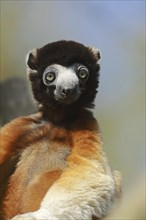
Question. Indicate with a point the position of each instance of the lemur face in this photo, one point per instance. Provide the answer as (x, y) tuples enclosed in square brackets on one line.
[(65, 83), (64, 73)]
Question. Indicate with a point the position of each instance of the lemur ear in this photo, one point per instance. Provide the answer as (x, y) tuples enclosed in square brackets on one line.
[(95, 52), (31, 61)]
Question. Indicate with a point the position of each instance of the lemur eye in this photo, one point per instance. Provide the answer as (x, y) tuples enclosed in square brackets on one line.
[(83, 73), (49, 77)]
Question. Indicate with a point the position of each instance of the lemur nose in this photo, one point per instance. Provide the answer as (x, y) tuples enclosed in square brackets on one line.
[(68, 92)]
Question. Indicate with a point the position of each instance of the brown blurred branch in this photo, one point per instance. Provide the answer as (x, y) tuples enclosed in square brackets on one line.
[(15, 99)]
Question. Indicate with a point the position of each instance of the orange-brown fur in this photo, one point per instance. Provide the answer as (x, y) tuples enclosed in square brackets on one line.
[(82, 135)]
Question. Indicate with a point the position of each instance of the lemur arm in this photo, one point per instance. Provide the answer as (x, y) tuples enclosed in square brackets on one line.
[(9, 137), (12, 133), (86, 187), (11, 141)]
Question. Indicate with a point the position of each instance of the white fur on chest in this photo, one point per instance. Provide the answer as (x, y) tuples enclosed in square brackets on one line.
[(42, 158)]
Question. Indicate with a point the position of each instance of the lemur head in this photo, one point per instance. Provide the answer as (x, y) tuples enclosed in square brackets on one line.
[(64, 73)]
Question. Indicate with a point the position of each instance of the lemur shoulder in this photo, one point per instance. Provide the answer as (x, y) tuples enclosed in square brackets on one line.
[(53, 163)]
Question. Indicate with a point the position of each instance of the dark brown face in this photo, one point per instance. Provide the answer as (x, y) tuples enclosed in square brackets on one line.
[(64, 73)]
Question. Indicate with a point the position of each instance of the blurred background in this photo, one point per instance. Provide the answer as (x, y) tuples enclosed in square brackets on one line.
[(117, 28)]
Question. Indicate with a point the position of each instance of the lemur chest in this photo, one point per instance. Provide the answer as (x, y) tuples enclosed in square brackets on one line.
[(46, 152), (43, 156)]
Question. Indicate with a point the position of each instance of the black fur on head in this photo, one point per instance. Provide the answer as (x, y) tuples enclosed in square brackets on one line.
[(64, 53)]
